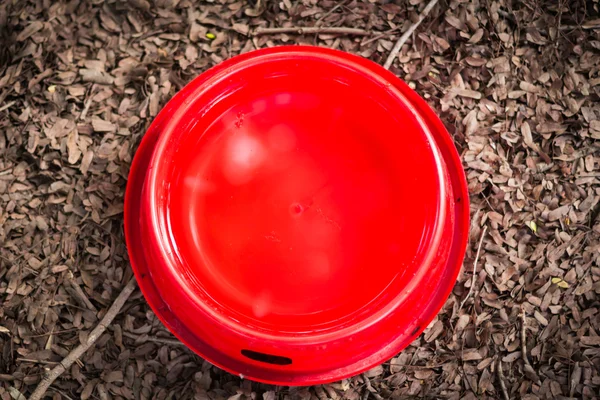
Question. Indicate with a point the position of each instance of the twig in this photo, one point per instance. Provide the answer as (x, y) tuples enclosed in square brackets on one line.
[(301, 30), (507, 16), (527, 368), (340, 4), (462, 303), (502, 379), (50, 333), (88, 103), (582, 26), (30, 360), (369, 389), (78, 351), (78, 293), (144, 339), (431, 366), (7, 105), (381, 35), (406, 35)]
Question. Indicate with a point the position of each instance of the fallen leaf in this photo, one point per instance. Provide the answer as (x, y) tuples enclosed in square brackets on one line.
[(32, 28), (560, 283)]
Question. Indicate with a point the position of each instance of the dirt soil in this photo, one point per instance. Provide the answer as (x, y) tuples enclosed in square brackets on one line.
[(517, 83)]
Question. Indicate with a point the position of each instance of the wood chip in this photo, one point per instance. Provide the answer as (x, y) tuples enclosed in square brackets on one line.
[(472, 94), (101, 125), (32, 28)]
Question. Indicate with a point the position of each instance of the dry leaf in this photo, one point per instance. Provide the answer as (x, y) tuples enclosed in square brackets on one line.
[(590, 340), (30, 30), (560, 283), (101, 125), (468, 93), (515, 88), (455, 22)]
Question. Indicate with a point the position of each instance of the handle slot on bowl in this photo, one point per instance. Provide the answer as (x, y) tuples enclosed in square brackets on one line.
[(266, 358)]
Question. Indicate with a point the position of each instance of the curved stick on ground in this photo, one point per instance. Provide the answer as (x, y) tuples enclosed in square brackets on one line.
[(502, 380), (302, 30), (406, 35), (78, 351), (474, 277)]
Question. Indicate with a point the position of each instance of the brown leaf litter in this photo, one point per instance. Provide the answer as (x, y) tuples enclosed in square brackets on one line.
[(517, 83)]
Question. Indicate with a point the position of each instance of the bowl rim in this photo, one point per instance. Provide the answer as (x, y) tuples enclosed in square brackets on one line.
[(143, 179), (165, 243)]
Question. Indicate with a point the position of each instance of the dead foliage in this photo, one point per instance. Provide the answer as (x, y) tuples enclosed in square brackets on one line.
[(516, 82)]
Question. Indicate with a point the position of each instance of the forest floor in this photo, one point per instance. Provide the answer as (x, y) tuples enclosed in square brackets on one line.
[(517, 84)]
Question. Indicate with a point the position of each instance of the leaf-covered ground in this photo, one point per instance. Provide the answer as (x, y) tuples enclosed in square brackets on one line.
[(517, 83)]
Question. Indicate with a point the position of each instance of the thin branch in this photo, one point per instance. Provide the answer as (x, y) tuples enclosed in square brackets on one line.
[(301, 30), (144, 339), (7, 105), (588, 25), (88, 103), (29, 360), (78, 351), (381, 35), (369, 390), (502, 379), (75, 290), (340, 4), (406, 35), (474, 277), (50, 333)]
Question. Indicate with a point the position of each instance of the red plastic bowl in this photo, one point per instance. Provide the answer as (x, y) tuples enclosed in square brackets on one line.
[(296, 215)]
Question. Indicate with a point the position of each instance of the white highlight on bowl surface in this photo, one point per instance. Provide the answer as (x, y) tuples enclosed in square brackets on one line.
[(261, 305), (244, 154)]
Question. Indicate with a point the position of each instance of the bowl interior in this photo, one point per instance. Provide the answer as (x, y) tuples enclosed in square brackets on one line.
[(298, 195)]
